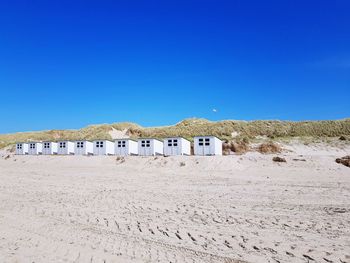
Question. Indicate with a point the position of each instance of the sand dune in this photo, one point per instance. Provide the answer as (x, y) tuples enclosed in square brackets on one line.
[(176, 209)]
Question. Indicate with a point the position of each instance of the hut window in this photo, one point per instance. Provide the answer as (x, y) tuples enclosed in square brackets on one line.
[(32, 146), (46, 145), (62, 145), (99, 144), (175, 142), (170, 142), (143, 143), (80, 144), (207, 141), (123, 144), (148, 143), (119, 144), (19, 146), (200, 142)]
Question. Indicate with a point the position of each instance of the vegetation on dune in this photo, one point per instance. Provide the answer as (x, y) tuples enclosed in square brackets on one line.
[(193, 127), (269, 147)]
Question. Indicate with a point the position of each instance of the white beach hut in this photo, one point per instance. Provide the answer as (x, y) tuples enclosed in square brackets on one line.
[(103, 147), (22, 148), (83, 148), (150, 146), (35, 148), (49, 148), (124, 147), (177, 146), (65, 147), (207, 145)]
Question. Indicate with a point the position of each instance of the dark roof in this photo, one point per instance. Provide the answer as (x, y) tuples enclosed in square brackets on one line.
[(175, 137), (149, 139), (125, 139), (207, 136)]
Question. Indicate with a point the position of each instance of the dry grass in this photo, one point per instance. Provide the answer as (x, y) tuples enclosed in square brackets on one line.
[(239, 147), (268, 148), (194, 127), (226, 148)]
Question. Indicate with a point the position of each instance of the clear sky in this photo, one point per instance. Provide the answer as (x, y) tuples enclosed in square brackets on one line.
[(67, 64)]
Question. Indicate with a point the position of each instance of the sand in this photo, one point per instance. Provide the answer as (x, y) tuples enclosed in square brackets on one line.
[(176, 209)]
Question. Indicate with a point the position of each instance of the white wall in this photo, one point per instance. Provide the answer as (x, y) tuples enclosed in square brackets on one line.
[(177, 146), (35, 148), (158, 147), (218, 146), (207, 145), (21, 148), (103, 147), (49, 148), (65, 147), (133, 147), (124, 147), (83, 147), (147, 147)]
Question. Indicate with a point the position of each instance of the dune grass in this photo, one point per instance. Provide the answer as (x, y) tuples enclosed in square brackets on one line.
[(189, 128)]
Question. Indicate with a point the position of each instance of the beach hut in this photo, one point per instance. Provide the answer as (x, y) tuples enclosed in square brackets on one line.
[(150, 146), (177, 146), (103, 147), (207, 145), (65, 147), (49, 148), (21, 148), (35, 148), (83, 148), (124, 147)]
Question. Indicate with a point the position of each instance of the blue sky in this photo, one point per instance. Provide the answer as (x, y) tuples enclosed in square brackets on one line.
[(67, 64)]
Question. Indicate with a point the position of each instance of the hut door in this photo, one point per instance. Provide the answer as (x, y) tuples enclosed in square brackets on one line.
[(206, 146), (123, 148), (175, 148), (170, 147), (201, 147)]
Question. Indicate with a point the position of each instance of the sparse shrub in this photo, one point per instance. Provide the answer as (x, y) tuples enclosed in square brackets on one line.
[(226, 148), (245, 140), (120, 159), (279, 159), (134, 132), (269, 147), (342, 138), (182, 164), (239, 147), (344, 160), (12, 149)]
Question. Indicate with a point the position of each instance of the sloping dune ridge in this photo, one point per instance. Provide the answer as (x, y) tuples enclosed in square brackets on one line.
[(237, 208), (192, 127)]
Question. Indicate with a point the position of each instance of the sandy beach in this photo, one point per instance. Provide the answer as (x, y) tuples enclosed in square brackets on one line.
[(239, 208)]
